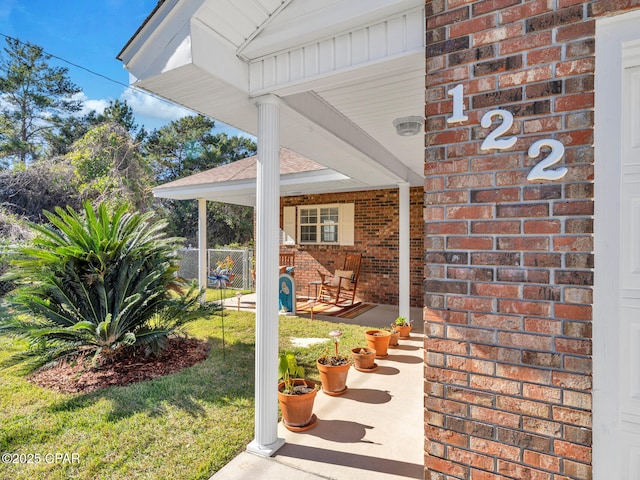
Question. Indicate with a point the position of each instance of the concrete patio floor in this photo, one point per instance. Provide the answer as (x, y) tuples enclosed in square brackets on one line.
[(375, 430)]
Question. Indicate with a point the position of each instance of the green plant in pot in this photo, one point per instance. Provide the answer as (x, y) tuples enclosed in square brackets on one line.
[(296, 394), (333, 369), (403, 326)]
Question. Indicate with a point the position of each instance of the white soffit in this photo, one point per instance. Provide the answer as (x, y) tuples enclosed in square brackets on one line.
[(367, 68)]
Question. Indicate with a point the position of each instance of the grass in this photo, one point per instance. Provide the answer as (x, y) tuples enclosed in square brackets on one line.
[(192, 422)]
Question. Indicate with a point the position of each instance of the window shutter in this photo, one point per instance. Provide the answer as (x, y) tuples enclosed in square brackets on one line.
[(347, 224), (289, 225)]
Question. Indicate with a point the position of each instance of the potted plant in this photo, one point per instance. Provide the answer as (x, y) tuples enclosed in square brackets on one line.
[(364, 359), (395, 335), (333, 369), (403, 326), (296, 395), (379, 341)]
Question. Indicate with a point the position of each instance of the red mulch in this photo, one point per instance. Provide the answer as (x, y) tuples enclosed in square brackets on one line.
[(82, 377)]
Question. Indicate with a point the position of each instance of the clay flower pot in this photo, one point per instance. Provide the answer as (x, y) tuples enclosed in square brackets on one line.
[(333, 377), (297, 410), (379, 341), (364, 359), (395, 335), (404, 331)]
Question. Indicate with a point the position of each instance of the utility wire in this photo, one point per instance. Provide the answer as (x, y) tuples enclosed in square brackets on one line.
[(98, 74)]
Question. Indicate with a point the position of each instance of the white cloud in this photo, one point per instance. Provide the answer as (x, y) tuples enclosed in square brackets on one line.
[(88, 104), (144, 105)]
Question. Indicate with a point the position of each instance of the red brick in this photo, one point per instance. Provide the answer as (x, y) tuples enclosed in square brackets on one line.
[(542, 427), (495, 385), (473, 25), (526, 407), (542, 226), (446, 228), (470, 243), (495, 449), (469, 458), (544, 55), (496, 35), (573, 244), (524, 11), (572, 416), (574, 102), (501, 227), (526, 243), (524, 340), (446, 466), (545, 260), (495, 290), (546, 124), (497, 417), (527, 42), (513, 470), (540, 325), (540, 460), (573, 312), (469, 212), (542, 393), (576, 30), (469, 181), (447, 436), (571, 345), (524, 374)]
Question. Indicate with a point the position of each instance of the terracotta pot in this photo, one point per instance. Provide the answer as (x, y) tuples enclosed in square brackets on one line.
[(333, 378), (379, 341), (363, 361), (404, 331), (393, 341), (297, 410)]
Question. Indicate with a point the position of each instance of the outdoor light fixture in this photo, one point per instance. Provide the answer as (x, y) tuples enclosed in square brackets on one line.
[(406, 126)]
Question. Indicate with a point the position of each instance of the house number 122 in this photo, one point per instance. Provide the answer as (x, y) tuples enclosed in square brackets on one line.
[(496, 140)]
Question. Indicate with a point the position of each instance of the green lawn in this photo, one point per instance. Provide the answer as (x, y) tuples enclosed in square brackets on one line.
[(186, 426)]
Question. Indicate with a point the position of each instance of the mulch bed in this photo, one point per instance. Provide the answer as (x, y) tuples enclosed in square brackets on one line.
[(82, 377)]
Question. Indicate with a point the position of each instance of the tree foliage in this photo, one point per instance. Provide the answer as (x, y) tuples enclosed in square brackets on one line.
[(187, 146), (96, 284), (34, 95)]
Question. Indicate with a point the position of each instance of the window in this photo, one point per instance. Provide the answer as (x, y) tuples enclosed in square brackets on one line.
[(319, 224)]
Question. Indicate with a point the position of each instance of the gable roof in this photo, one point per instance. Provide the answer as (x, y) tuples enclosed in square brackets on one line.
[(235, 182)]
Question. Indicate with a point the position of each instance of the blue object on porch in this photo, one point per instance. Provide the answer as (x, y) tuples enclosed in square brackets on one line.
[(287, 293)]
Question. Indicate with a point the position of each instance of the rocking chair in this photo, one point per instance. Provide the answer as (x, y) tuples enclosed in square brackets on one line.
[(341, 288)]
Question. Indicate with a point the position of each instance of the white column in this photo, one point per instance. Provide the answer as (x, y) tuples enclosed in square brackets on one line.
[(404, 249), (266, 440), (202, 246)]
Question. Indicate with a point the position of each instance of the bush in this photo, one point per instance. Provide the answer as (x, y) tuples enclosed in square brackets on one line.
[(97, 284)]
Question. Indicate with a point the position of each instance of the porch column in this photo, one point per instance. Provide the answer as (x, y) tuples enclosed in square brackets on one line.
[(404, 249), (202, 246), (266, 440)]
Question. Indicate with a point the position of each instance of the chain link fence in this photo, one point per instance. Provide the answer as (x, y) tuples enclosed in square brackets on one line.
[(242, 265), (241, 270)]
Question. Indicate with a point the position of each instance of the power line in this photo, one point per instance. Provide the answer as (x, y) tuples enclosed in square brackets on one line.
[(92, 72)]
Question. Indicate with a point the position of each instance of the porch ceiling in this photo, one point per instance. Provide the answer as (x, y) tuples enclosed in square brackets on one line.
[(344, 70)]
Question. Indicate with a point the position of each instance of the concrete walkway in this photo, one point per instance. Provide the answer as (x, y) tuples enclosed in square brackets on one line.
[(374, 431)]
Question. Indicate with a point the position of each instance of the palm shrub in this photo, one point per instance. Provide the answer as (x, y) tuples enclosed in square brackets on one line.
[(97, 283)]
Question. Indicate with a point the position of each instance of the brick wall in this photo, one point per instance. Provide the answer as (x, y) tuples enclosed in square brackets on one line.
[(509, 262), (376, 237)]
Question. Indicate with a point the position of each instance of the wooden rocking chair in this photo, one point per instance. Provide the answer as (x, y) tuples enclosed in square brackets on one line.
[(341, 288)]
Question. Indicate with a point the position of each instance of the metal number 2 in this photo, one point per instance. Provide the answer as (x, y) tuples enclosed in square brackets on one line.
[(492, 140), (539, 171)]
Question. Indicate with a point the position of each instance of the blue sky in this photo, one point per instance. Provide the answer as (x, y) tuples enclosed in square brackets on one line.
[(90, 33)]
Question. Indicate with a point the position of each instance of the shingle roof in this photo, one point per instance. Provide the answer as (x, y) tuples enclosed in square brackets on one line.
[(245, 169)]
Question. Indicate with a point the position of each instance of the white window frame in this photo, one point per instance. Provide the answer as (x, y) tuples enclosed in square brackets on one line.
[(292, 224)]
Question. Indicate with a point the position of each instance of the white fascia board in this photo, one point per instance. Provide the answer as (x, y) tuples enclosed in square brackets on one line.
[(159, 38)]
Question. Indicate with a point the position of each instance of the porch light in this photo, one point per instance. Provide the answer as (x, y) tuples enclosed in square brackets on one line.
[(406, 126)]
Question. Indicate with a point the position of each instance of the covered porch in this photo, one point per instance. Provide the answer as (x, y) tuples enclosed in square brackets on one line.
[(340, 83)]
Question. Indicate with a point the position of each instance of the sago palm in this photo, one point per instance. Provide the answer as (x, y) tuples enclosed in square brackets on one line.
[(95, 283)]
